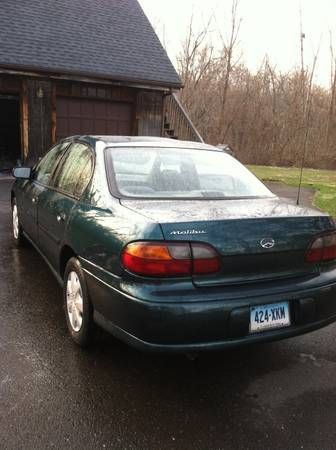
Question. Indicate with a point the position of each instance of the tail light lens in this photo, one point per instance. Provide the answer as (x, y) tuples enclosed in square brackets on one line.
[(323, 248), (205, 259), (170, 259)]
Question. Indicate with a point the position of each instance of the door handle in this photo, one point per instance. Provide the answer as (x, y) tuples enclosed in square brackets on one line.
[(60, 217)]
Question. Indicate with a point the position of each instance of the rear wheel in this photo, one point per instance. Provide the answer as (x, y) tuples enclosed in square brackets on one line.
[(16, 226), (77, 305)]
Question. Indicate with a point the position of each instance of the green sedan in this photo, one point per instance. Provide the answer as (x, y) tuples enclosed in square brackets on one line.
[(174, 246)]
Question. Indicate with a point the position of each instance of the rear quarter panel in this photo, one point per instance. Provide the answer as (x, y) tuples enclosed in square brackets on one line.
[(98, 235)]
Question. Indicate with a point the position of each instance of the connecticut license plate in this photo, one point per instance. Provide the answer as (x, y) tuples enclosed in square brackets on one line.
[(266, 317)]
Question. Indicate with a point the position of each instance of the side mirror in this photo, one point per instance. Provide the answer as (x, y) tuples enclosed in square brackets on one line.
[(22, 172)]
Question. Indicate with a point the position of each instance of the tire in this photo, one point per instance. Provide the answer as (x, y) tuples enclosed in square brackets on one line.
[(77, 305), (16, 226)]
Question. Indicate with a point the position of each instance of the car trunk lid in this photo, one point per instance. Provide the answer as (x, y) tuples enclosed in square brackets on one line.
[(257, 239)]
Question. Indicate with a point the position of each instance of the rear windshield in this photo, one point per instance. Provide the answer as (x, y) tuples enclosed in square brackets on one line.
[(180, 173)]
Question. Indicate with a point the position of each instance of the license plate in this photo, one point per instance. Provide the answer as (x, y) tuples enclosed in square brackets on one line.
[(266, 317)]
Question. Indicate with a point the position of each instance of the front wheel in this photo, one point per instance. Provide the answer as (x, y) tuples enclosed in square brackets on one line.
[(16, 226), (77, 305)]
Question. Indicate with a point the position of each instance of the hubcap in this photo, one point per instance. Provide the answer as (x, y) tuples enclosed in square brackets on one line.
[(15, 222), (74, 301)]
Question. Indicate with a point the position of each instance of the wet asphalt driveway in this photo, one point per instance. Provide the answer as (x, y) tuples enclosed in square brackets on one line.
[(54, 395)]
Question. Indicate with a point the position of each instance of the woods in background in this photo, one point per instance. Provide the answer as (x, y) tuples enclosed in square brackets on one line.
[(267, 117)]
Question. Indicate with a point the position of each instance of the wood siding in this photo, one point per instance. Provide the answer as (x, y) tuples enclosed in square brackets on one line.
[(10, 85), (51, 109), (39, 112), (149, 113)]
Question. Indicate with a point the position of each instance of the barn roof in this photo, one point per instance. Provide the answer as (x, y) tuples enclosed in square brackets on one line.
[(110, 39)]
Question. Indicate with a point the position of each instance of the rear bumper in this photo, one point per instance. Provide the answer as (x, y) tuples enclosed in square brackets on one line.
[(269, 336), (184, 325)]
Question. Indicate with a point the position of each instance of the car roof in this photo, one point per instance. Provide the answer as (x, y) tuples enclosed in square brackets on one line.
[(139, 141)]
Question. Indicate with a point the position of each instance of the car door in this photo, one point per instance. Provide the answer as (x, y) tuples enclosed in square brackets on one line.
[(31, 189), (56, 204)]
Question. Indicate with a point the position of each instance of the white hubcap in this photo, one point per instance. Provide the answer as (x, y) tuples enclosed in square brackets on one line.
[(74, 301), (15, 222)]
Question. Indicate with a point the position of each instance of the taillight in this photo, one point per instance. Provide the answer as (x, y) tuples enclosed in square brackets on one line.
[(205, 259), (323, 248), (170, 259)]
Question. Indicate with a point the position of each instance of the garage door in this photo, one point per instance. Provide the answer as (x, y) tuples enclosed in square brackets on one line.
[(82, 116)]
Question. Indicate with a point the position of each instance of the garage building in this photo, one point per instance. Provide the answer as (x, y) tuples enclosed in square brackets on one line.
[(82, 67)]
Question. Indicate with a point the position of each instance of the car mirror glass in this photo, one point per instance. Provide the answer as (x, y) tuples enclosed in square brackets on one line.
[(22, 172)]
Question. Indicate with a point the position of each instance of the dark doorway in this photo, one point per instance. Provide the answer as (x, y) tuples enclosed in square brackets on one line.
[(10, 148)]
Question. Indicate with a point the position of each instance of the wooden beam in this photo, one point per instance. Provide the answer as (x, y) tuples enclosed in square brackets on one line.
[(141, 84), (53, 114), (24, 120)]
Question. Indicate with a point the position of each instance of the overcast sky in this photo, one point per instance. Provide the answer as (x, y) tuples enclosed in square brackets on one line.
[(267, 27)]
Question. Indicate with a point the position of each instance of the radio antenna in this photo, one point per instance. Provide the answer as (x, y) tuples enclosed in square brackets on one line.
[(307, 103), (302, 36)]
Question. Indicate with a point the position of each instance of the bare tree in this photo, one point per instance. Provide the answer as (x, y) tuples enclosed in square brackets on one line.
[(268, 117), (331, 111), (195, 57), (227, 57)]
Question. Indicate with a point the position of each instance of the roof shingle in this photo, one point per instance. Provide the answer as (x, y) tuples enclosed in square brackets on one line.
[(104, 38)]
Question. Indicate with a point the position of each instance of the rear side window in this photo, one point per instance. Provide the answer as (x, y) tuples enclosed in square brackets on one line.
[(75, 171), (45, 167)]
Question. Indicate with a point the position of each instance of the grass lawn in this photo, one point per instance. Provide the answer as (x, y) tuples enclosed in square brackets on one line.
[(323, 181)]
